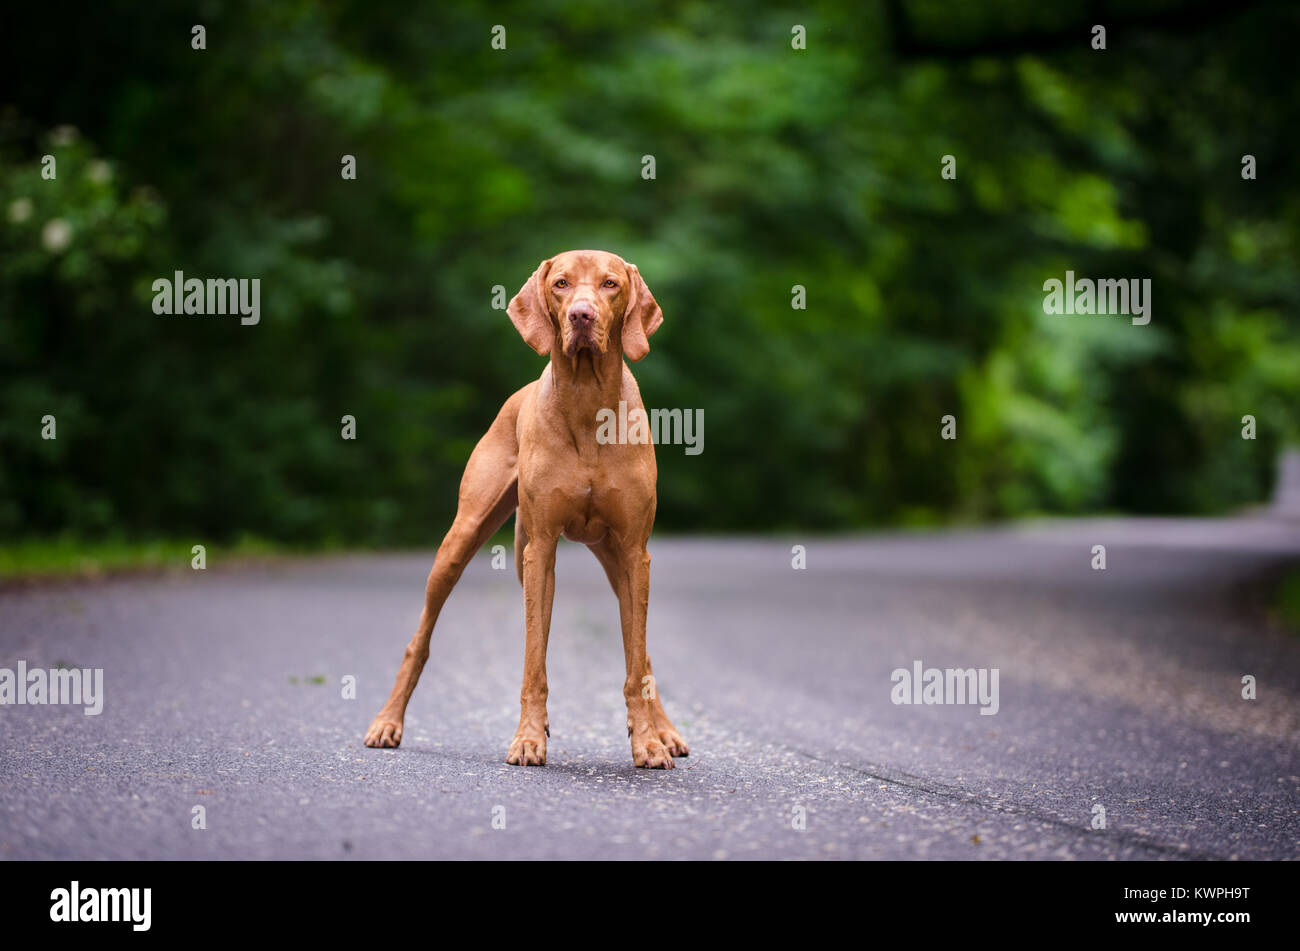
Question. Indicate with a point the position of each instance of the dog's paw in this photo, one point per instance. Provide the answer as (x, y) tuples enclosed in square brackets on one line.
[(673, 740), (527, 750), (654, 755), (384, 732)]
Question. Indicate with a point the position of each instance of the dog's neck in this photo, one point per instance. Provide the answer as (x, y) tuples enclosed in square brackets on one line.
[(586, 383)]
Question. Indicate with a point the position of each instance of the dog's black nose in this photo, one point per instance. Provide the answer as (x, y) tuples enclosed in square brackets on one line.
[(581, 316)]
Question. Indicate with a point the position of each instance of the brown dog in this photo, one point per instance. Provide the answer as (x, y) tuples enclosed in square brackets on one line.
[(586, 309)]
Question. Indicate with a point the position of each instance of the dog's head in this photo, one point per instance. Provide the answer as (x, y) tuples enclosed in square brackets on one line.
[(580, 299)]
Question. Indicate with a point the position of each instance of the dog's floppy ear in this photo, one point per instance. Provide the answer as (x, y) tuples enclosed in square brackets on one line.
[(642, 317), (529, 313)]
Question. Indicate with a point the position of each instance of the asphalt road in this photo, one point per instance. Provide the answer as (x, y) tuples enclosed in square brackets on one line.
[(1118, 688)]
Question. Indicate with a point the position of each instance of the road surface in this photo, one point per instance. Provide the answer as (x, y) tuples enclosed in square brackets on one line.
[(1118, 688)]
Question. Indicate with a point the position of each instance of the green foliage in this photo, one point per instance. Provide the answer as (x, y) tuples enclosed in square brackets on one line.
[(775, 167), (72, 555), (1288, 600)]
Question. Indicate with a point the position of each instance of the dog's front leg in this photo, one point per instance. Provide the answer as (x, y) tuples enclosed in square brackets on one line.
[(529, 745), (667, 733), (633, 573)]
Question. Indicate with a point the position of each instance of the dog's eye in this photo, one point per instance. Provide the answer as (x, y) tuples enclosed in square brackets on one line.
[(561, 283), (611, 283)]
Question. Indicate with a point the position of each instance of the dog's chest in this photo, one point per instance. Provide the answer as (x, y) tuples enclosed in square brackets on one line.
[(584, 500), (589, 509), (587, 529)]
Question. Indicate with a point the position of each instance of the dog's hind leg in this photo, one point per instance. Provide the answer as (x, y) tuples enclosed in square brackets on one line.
[(489, 492)]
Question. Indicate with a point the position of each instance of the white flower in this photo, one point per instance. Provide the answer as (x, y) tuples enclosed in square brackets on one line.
[(64, 135), (56, 234), (20, 209), (99, 172)]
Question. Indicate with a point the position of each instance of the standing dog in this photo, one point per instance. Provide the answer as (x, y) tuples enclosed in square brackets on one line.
[(540, 456)]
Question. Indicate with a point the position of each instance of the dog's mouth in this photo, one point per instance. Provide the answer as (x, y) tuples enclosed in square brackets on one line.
[(582, 342), (584, 353)]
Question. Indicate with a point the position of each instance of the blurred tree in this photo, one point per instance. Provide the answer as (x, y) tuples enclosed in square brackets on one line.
[(775, 167)]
